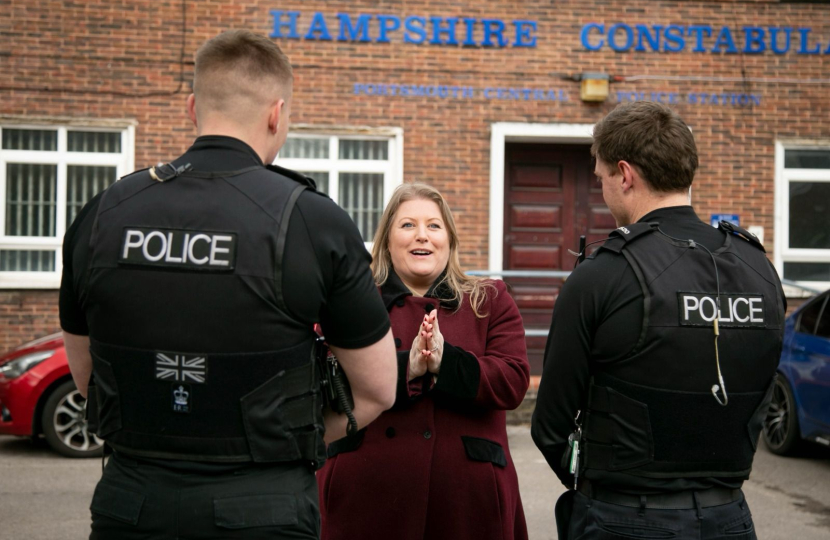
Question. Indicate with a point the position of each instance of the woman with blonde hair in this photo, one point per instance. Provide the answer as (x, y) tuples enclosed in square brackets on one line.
[(437, 465)]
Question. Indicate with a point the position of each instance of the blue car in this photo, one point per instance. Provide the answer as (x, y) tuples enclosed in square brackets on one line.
[(800, 408)]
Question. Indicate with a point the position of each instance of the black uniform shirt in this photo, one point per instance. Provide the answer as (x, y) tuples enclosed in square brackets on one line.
[(325, 263), (596, 324)]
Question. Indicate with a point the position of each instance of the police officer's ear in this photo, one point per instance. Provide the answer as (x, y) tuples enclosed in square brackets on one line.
[(275, 115), (629, 175), (191, 109)]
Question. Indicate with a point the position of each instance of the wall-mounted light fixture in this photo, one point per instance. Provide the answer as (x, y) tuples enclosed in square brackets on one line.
[(594, 86)]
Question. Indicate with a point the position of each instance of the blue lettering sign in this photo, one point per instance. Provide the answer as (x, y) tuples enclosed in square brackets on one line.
[(754, 40), (415, 26), (442, 30), (358, 32), (694, 98), (725, 38), (629, 37), (318, 26), (493, 28), (773, 40), (449, 31), (805, 35), (524, 38), (470, 41), (698, 31), (583, 36), (279, 24), (388, 23), (653, 41), (674, 39)]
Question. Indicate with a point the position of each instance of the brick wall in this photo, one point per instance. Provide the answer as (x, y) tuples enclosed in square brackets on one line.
[(26, 315), (95, 60)]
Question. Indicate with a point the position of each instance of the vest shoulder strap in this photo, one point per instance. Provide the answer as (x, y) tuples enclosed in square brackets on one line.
[(280, 251), (740, 232), (125, 187), (624, 235), (293, 175)]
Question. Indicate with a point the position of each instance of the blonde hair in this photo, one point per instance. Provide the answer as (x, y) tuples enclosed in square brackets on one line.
[(455, 278)]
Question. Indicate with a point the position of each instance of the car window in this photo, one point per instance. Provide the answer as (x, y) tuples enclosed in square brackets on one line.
[(809, 317), (823, 328)]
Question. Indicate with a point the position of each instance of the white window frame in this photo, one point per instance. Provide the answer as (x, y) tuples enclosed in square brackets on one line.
[(783, 177), (391, 169), (124, 163)]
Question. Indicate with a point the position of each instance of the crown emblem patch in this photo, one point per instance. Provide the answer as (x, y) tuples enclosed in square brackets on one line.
[(181, 398)]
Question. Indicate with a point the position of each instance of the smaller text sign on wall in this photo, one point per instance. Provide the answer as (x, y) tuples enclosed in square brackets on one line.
[(504, 93)]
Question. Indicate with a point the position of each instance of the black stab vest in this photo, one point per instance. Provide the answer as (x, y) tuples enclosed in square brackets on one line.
[(201, 253), (672, 431)]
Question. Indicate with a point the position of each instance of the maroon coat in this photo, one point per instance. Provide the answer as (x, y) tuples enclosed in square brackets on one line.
[(437, 465)]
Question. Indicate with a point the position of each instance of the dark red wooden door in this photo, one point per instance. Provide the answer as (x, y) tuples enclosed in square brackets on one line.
[(551, 198)]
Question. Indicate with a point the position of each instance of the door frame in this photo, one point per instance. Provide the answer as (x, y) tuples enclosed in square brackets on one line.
[(500, 134)]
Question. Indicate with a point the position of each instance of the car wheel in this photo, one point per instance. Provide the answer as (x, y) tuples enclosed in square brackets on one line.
[(64, 425), (781, 432)]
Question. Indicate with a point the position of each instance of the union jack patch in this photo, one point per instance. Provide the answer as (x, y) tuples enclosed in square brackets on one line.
[(181, 368)]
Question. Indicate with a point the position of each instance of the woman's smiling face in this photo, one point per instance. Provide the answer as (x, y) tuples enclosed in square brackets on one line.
[(419, 244)]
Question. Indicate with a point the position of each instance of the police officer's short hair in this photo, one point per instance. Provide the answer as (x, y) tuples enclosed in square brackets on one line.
[(651, 137), (240, 54)]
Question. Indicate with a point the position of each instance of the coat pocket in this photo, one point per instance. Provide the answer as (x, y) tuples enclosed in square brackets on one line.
[(255, 511), (479, 449), (117, 503)]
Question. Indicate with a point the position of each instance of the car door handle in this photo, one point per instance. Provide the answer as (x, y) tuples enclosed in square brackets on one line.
[(799, 348)]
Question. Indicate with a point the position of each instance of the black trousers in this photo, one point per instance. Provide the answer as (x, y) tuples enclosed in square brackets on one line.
[(137, 500), (590, 519)]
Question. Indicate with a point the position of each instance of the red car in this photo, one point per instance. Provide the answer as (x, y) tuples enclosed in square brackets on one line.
[(38, 397)]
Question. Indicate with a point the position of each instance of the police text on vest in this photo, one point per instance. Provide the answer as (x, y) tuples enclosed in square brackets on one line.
[(701, 309), (178, 248)]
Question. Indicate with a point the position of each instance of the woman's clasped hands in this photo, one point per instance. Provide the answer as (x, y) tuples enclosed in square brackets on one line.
[(427, 348)]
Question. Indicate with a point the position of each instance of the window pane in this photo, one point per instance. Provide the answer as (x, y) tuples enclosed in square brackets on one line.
[(82, 183), (807, 271), (27, 261), (807, 159), (30, 199), (30, 139), (320, 178), (810, 215), (296, 147), (808, 318), (823, 328), (374, 150), (94, 141), (361, 195)]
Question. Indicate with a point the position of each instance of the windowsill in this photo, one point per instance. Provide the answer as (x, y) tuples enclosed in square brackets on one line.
[(16, 280)]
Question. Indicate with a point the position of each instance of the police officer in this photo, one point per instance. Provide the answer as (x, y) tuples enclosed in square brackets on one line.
[(662, 351), (189, 293)]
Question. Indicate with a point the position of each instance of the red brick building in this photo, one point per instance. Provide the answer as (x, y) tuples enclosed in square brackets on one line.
[(481, 99)]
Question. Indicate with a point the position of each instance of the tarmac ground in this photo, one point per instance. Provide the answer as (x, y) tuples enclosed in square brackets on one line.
[(44, 496)]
